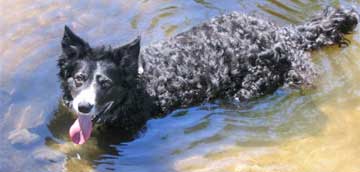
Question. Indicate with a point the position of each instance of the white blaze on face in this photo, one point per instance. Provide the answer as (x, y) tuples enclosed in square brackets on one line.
[(140, 70), (88, 95)]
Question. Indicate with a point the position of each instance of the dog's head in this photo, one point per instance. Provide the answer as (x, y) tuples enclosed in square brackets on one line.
[(94, 79)]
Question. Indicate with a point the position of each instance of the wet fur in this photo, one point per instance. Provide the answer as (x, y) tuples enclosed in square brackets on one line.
[(231, 56)]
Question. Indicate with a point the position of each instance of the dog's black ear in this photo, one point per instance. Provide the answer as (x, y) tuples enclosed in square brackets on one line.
[(72, 45), (127, 56)]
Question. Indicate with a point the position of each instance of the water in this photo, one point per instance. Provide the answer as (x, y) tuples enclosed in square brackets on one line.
[(291, 130)]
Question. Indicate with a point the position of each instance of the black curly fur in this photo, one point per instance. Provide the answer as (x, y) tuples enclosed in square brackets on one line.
[(239, 56), (231, 56)]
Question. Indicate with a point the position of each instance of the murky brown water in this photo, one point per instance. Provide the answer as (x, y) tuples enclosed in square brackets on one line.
[(292, 130)]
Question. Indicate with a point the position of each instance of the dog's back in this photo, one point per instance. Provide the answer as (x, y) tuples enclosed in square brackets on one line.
[(238, 56)]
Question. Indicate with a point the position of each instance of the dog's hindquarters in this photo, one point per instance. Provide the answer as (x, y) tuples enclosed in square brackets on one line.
[(327, 28)]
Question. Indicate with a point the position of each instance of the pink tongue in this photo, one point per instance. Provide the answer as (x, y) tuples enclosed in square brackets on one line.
[(80, 131)]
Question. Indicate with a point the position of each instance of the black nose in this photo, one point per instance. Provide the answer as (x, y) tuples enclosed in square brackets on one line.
[(84, 107)]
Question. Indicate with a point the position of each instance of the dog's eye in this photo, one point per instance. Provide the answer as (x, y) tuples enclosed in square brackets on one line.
[(105, 84), (79, 79)]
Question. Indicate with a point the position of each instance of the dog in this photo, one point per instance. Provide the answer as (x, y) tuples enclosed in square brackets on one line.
[(231, 56)]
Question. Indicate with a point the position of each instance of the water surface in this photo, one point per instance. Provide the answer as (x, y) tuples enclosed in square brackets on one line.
[(292, 130)]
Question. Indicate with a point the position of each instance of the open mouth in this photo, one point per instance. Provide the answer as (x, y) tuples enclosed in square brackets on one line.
[(80, 130)]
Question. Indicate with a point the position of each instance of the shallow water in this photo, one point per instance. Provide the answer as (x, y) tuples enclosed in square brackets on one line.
[(291, 130)]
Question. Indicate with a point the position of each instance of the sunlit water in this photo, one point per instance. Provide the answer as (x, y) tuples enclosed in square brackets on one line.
[(309, 130)]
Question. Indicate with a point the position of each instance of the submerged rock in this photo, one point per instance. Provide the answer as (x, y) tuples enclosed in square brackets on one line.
[(23, 137)]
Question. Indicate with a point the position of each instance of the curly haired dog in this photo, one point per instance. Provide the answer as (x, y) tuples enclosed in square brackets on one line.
[(231, 56)]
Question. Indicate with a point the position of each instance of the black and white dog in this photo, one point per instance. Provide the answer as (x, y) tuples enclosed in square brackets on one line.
[(231, 56)]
